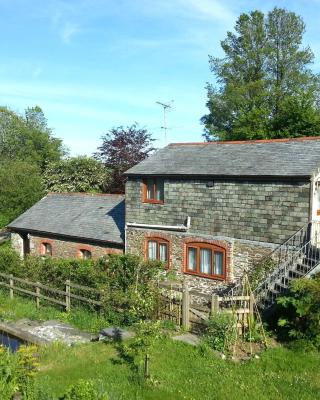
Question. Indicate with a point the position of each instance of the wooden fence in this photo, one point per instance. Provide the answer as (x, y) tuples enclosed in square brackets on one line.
[(186, 308), (190, 309), (43, 292)]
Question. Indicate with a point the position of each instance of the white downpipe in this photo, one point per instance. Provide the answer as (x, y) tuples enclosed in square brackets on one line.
[(182, 228)]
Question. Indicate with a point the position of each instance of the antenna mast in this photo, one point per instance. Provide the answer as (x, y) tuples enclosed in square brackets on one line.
[(166, 107)]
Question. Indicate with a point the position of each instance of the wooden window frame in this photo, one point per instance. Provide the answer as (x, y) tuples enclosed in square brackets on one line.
[(213, 248), (81, 251), (159, 241), (145, 189), (44, 247)]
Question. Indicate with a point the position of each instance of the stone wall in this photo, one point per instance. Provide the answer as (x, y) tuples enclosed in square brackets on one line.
[(63, 248), (241, 255), (251, 210)]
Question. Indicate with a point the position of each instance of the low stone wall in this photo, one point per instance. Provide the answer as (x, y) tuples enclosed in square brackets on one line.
[(241, 255)]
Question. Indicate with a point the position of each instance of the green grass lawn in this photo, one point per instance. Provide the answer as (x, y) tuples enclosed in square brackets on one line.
[(179, 371)]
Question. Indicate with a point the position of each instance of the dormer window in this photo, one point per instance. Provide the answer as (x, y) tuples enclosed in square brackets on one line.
[(153, 190)]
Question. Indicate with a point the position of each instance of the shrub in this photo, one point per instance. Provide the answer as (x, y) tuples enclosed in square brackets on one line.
[(300, 312), (221, 331), (84, 390), (10, 262), (17, 372), (260, 270)]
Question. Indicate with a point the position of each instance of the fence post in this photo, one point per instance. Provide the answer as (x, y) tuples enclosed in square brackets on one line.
[(38, 295), (251, 302), (11, 286), (68, 298), (185, 307), (214, 304)]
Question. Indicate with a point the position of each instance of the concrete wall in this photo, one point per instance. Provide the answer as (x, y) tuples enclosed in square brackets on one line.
[(63, 248), (256, 211)]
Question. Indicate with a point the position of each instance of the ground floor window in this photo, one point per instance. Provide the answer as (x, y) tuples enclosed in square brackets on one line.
[(157, 249), (85, 254), (205, 260), (46, 249)]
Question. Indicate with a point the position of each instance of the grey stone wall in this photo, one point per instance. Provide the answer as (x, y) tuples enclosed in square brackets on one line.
[(256, 211)]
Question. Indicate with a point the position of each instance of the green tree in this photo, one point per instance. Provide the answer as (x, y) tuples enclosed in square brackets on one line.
[(121, 149), (27, 138), (21, 187), (76, 174), (265, 88)]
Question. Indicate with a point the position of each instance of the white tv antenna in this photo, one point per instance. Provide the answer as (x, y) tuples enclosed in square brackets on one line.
[(166, 106)]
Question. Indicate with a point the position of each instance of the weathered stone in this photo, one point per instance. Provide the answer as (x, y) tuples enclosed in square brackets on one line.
[(188, 338), (115, 333)]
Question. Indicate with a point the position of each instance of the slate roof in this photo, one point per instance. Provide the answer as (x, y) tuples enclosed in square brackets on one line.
[(79, 215), (263, 158)]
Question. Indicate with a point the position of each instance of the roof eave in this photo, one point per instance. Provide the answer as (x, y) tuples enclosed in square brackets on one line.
[(43, 233)]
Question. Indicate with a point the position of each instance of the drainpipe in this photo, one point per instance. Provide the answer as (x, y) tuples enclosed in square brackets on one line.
[(180, 228)]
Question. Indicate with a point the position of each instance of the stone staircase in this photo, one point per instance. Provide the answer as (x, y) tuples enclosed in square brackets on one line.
[(297, 257)]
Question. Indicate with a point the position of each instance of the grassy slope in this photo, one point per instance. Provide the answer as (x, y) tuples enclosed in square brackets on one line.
[(182, 371)]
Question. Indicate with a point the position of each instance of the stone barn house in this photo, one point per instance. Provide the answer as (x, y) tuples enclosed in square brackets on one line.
[(211, 210), (71, 225)]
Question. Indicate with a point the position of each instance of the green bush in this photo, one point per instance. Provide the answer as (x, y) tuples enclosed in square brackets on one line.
[(300, 312), (10, 262), (84, 390), (17, 371), (220, 332), (128, 284)]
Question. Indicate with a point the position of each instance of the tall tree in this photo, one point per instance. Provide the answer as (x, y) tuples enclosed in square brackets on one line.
[(121, 149), (76, 174), (27, 138), (264, 81), (21, 187)]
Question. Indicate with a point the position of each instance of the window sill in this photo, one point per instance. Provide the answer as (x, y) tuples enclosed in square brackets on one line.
[(212, 277), (153, 201)]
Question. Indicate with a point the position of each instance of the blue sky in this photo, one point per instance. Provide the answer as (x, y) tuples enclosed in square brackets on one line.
[(95, 64)]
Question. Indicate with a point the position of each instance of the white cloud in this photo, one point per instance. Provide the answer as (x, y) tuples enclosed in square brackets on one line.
[(68, 31)]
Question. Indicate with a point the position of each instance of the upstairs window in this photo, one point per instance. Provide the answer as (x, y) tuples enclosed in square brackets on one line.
[(158, 249), (85, 254), (153, 190), (205, 260), (46, 249)]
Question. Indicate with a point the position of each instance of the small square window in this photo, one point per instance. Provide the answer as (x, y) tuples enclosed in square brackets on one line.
[(85, 254), (46, 249), (153, 190)]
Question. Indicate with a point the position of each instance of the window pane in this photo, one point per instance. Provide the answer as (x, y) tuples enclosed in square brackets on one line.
[(152, 250), (47, 249), (163, 251), (150, 189), (218, 263), (86, 254), (159, 189), (205, 261), (192, 258)]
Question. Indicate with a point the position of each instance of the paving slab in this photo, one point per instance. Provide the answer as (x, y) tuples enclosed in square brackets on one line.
[(115, 333), (189, 338), (45, 332)]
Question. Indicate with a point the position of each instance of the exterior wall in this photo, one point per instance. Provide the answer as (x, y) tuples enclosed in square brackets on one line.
[(252, 210), (17, 243), (62, 248), (240, 255)]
